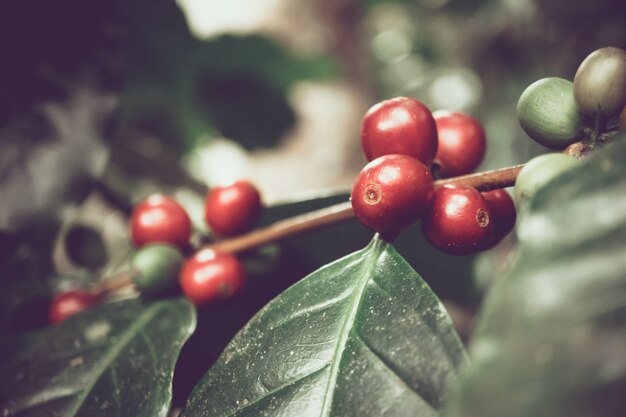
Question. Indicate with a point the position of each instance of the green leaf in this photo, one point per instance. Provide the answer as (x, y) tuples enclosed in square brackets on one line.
[(180, 88), (361, 336), (113, 360), (551, 340)]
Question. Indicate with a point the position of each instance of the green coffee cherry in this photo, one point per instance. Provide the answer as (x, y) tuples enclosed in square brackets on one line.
[(538, 172), (600, 83), (547, 112), (155, 268)]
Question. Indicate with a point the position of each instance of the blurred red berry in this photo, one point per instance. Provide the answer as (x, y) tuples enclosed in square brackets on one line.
[(399, 125), (160, 219), (462, 143), (209, 276), (68, 303), (233, 209)]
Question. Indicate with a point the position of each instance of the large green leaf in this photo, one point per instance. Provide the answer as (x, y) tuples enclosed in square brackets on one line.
[(552, 338), (114, 360), (361, 336)]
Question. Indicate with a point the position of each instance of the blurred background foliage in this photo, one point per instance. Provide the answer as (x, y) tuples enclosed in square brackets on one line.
[(105, 102)]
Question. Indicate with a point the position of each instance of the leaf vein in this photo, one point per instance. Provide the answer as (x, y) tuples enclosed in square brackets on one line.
[(388, 365), (277, 390), (444, 346), (342, 341), (313, 309), (112, 352)]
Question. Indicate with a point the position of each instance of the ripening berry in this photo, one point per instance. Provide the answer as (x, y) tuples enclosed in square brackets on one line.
[(399, 125), (458, 221), (233, 209), (503, 215), (209, 276), (155, 268), (548, 113), (600, 83), (68, 303), (160, 219), (462, 143), (390, 193)]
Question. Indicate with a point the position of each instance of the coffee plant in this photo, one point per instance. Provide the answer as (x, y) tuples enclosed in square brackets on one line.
[(215, 322)]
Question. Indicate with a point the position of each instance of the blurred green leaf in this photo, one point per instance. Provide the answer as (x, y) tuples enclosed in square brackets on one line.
[(244, 107), (361, 336), (112, 360), (181, 88), (551, 339)]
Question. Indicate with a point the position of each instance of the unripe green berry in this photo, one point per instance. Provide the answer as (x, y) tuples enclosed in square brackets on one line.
[(155, 267), (538, 172), (600, 83), (547, 112)]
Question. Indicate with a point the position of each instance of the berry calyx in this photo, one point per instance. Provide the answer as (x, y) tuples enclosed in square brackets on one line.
[(390, 193), (462, 143), (160, 219), (155, 268), (68, 303), (548, 113), (503, 215), (233, 209), (458, 221), (399, 125), (210, 276)]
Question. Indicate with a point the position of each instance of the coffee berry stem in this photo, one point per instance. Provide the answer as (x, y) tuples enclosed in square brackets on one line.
[(482, 181), (487, 180), (114, 283)]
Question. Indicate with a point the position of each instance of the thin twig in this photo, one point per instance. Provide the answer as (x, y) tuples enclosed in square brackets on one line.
[(483, 181), (488, 180), (114, 283)]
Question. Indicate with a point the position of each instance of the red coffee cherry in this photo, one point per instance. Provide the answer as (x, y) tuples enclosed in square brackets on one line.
[(458, 221), (503, 215), (68, 303), (160, 219), (232, 209), (210, 276), (462, 143), (390, 193), (400, 125)]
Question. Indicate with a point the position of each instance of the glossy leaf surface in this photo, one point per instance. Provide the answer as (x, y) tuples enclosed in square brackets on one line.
[(114, 360), (361, 336), (551, 340)]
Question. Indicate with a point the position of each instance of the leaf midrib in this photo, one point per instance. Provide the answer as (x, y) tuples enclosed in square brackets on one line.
[(112, 353), (376, 249)]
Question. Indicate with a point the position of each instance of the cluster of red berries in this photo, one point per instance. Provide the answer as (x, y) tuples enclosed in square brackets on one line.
[(161, 230), (406, 144)]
